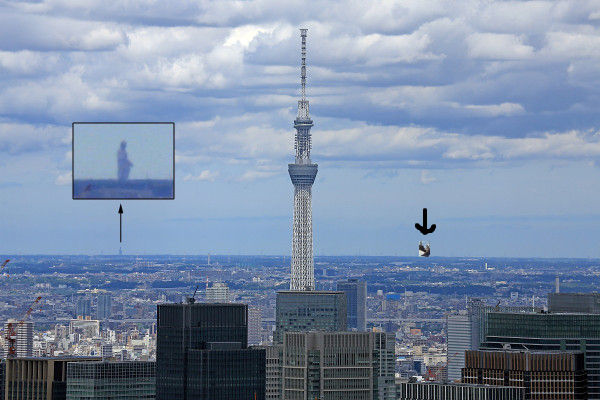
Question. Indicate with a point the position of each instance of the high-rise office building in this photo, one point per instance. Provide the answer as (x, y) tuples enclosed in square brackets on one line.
[(461, 336), (338, 365), (106, 351), (456, 391), (104, 306), (544, 375), (128, 380), (273, 372), (356, 295), (549, 332), (303, 173), (305, 311), (84, 308), (202, 353), (465, 331), (217, 293), (24, 338), (588, 303), (254, 325), (2, 378), (34, 378)]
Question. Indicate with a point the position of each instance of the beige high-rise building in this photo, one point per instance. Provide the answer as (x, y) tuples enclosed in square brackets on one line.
[(217, 293), (34, 378)]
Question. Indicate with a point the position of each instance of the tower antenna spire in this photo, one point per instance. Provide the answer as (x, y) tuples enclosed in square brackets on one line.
[(303, 34), (302, 173)]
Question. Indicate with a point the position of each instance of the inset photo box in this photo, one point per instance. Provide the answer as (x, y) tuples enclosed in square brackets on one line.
[(123, 160)]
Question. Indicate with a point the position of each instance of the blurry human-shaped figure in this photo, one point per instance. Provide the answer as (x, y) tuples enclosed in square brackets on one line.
[(123, 163)]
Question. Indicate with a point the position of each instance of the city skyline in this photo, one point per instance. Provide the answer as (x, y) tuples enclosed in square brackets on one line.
[(487, 120)]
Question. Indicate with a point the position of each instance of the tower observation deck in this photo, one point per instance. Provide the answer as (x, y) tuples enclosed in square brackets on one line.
[(303, 173)]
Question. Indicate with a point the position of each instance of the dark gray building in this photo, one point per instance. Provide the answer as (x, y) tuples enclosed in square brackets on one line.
[(356, 295), (305, 311), (588, 303), (104, 306), (202, 353), (456, 391), (129, 380), (84, 307), (2, 378), (338, 365)]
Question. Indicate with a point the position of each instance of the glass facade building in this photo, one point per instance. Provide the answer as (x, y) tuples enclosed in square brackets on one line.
[(356, 296), (202, 353), (574, 303), (111, 380), (305, 311), (550, 332)]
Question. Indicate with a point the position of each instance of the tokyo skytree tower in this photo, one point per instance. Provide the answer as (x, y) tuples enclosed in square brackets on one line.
[(303, 173)]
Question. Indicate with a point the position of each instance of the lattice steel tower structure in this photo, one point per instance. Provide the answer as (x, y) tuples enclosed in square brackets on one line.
[(303, 173)]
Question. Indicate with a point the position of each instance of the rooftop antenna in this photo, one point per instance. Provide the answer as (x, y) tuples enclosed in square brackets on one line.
[(557, 285), (303, 103)]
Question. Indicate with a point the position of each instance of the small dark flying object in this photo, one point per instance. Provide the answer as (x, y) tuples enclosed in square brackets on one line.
[(424, 250)]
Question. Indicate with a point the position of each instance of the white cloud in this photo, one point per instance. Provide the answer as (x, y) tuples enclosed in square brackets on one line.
[(206, 175), (497, 46), (27, 62), (16, 138), (63, 179), (495, 110)]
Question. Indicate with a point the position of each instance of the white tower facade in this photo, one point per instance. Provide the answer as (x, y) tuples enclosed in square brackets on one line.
[(302, 174)]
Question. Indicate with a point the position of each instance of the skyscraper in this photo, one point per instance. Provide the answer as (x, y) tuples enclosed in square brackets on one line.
[(88, 380), (543, 374), (302, 311), (549, 332), (84, 307), (302, 173), (217, 293), (202, 353), (356, 294), (24, 339), (254, 325), (574, 303), (35, 378), (466, 332), (339, 365), (104, 308)]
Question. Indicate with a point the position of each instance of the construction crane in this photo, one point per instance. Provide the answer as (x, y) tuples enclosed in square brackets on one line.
[(3, 265), (433, 375), (13, 327)]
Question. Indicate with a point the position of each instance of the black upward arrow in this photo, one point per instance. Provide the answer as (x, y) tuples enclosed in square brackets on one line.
[(423, 228), (120, 223)]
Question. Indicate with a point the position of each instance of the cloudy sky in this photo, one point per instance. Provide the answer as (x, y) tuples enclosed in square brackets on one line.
[(485, 112)]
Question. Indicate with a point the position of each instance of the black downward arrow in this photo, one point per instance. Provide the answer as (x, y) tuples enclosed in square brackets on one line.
[(120, 223), (423, 228)]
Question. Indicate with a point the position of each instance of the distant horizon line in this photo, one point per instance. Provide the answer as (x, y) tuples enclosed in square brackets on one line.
[(478, 258)]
